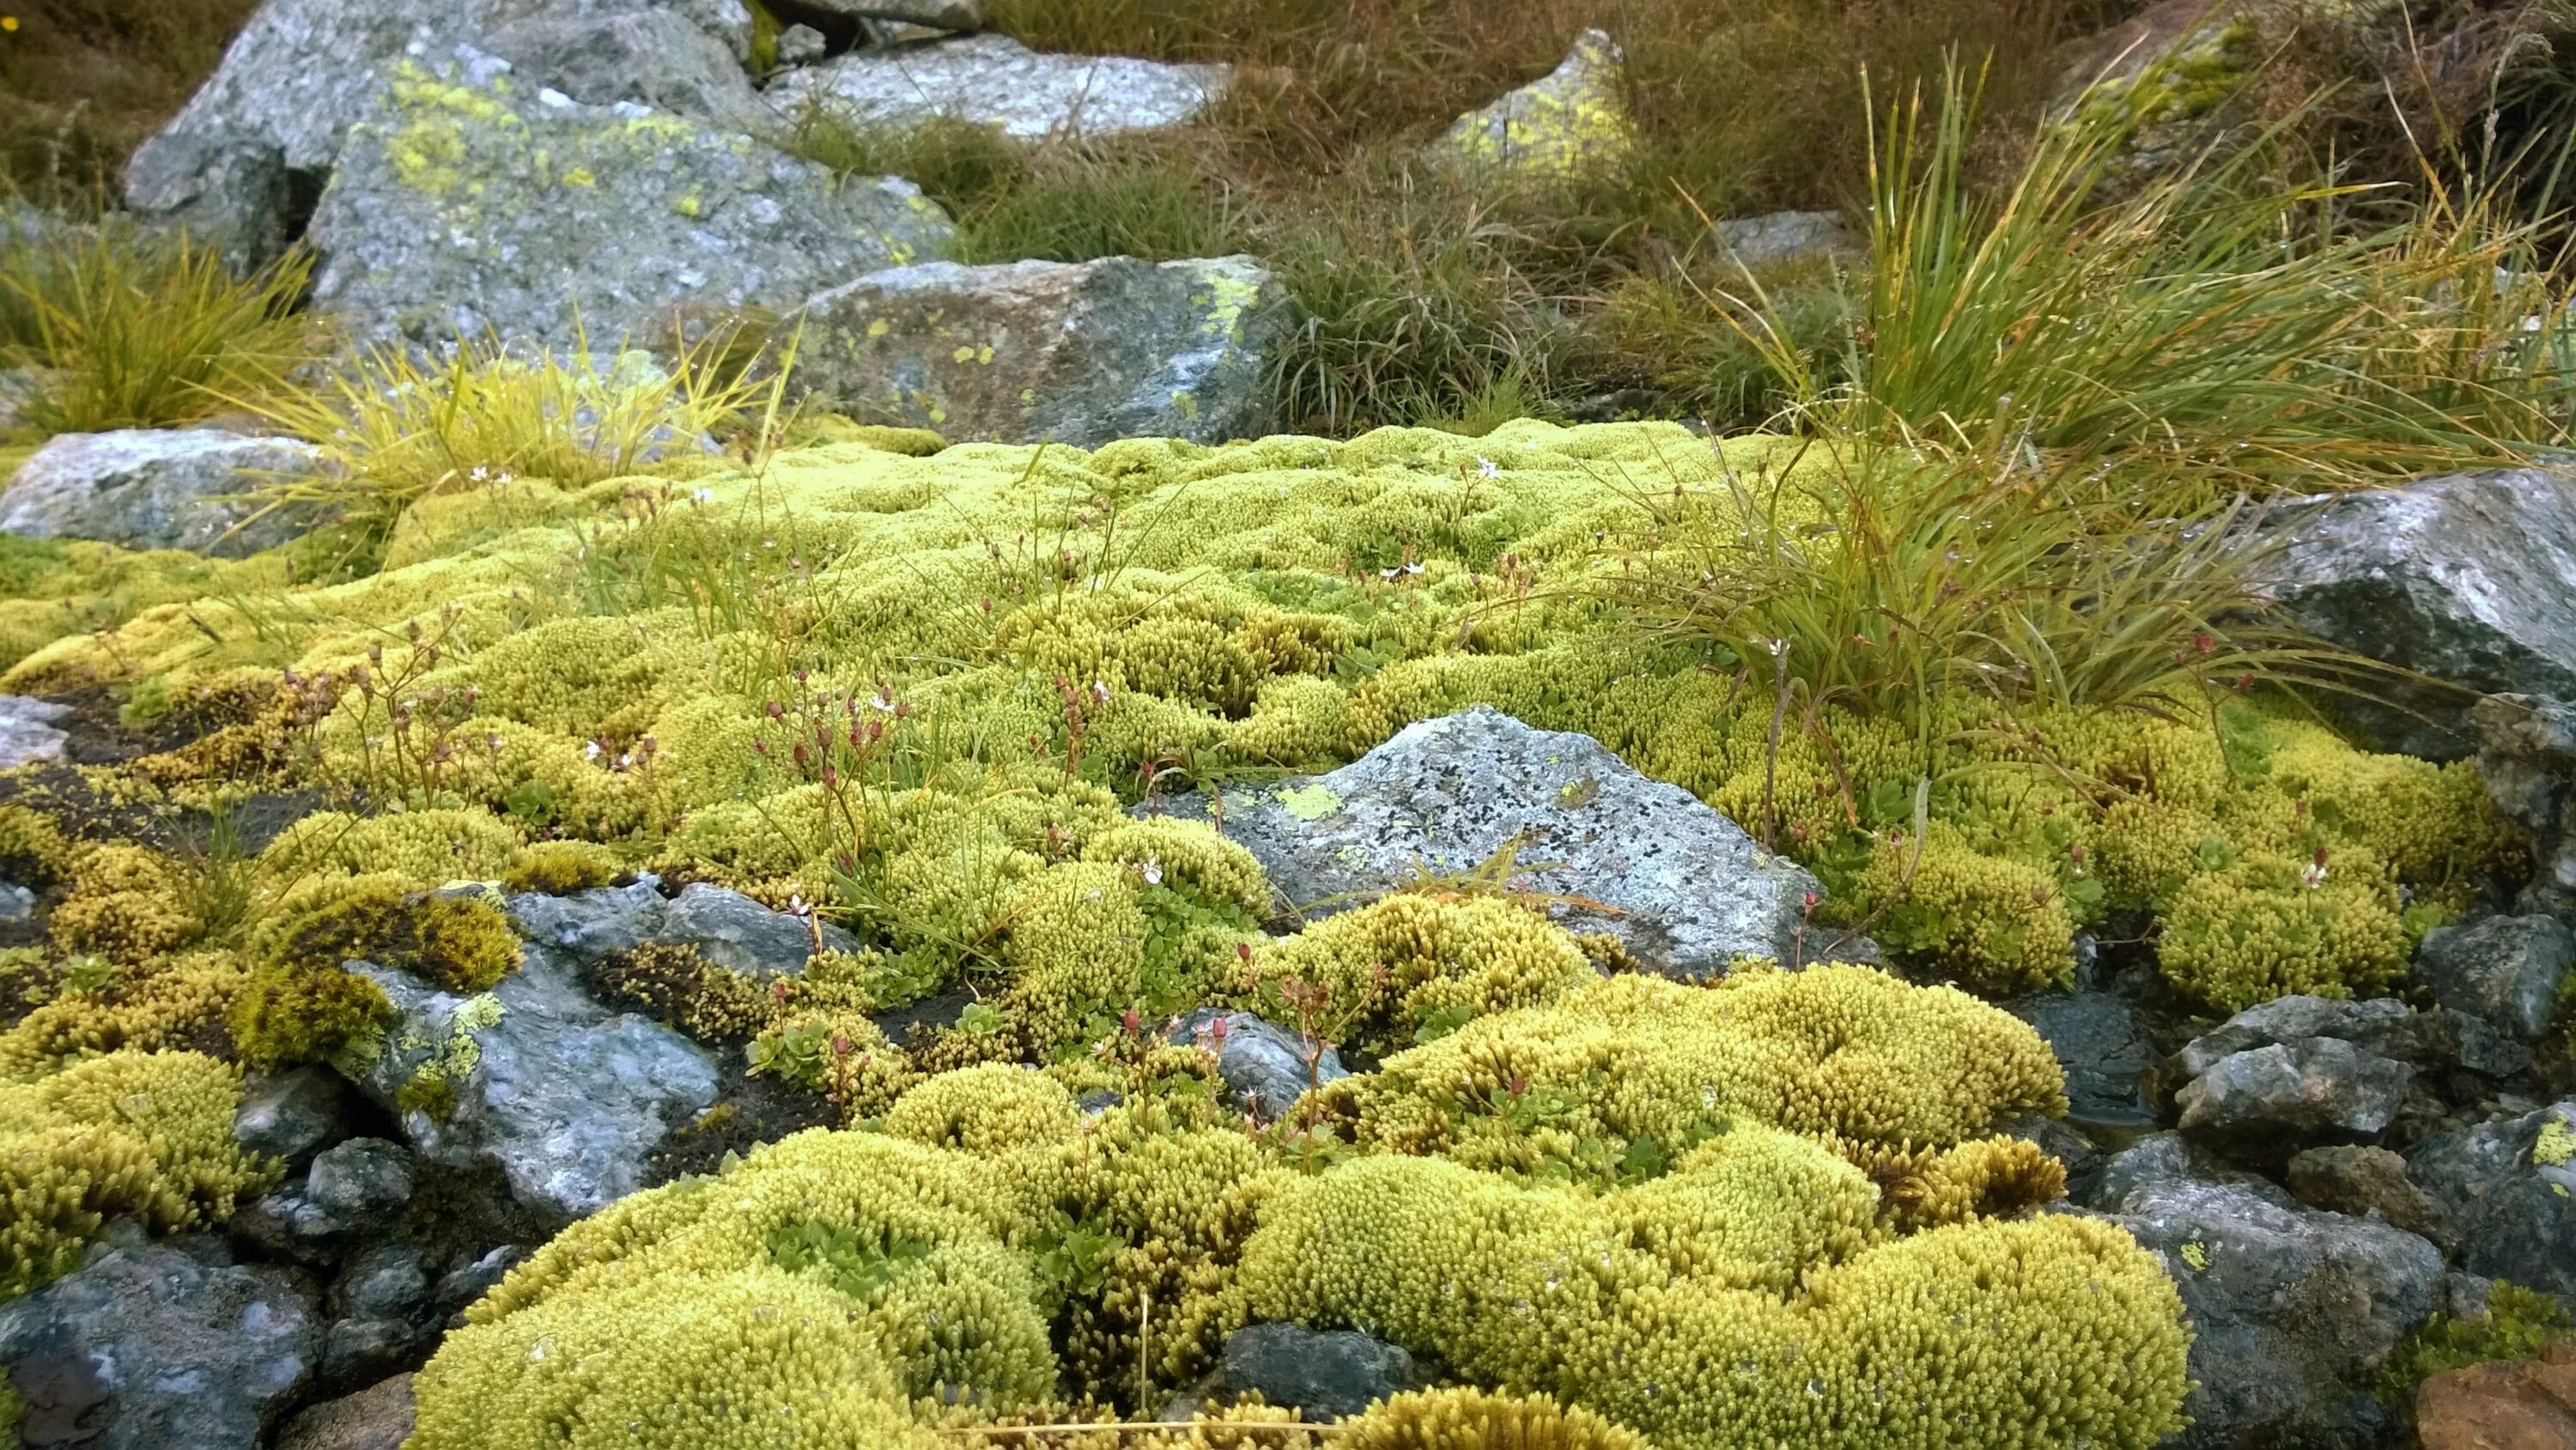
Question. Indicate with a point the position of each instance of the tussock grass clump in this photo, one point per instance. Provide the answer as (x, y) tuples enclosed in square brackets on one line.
[(140, 331)]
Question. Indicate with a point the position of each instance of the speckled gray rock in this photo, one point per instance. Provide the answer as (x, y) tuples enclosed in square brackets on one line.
[(1264, 1065), (385, 1280), (2104, 1050), (2360, 1180), (1690, 889), (157, 1347), (152, 488), (1331, 1374), (937, 14), (1785, 238), (292, 1115), (1071, 352), (563, 1096), (378, 1417), (993, 80), (2290, 1307), (2307, 1090), (355, 1188), (247, 155), (28, 733), (469, 205), (732, 930), (656, 58), (2506, 969), (2527, 754), (2469, 579), (591, 924), (1570, 123), (801, 45), (2440, 1038), (2510, 1188)]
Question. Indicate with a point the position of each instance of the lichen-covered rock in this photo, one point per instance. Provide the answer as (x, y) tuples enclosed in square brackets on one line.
[(937, 14), (993, 80), (151, 488), (469, 203), (1030, 352), (244, 159), (2506, 969), (1264, 1066), (1570, 123), (2469, 579), (1685, 889), (1330, 1374), (156, 1347), (2510, 1187), (738, 933), (2527, 756), (656, 58), (2275, 1097), (566, 1098), (2290, 1308), (28, 733)]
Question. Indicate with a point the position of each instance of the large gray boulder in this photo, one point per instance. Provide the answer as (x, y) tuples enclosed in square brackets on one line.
[(1070, 352), (2510, 1188), (159, 1346), (1684, 888), (242, 162), (467, 204), (2291, 1308), (2506, 969), (566, 1098), (154, 488), (993, 80), (591, 924), (657, 58), (2468, 579), (28, 733)]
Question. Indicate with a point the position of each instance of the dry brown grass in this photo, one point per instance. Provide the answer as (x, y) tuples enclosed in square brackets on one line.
[(82, 82)]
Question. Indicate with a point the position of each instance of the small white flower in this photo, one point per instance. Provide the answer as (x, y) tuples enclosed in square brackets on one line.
[(1413, 568), (1387, 573), (1152, 871), (883, 699), (701, 495), (2313, 875), (479, 474), (590, 750), (796, 904), (1100, 691), (1487, 468)]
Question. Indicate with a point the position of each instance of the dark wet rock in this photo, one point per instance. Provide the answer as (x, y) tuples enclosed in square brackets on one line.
[(2291, 1308), (2510, 1190), (157, 1347), (2505, 969), (384, 1280), (2307, 1090), (293, 1115), (1264, 1065), (2527, 754), (1329, 1374), (2104, 1050), (378, 1417), (1689, 889), (358, 1187), (2429, 1041), (358, 1351), (732, 930), (1083, 353), (470, 1281)]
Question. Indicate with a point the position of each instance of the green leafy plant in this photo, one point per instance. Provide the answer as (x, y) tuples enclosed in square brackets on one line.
[(861, 1265), (2519, 1324)]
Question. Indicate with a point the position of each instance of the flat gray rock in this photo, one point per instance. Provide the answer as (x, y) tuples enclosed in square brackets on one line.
[(2469, 579), (2307, 1090), (591, 924), (257, 142), (28, 735), (155, 488), (565, 1097), (1782, 238), (656, 58), (1330, 1374), (732, 930), (1681, 885), (2291, 1308), (1070, 352), (993, 80), (158, 1347), (2104, 1049), (468, 204), (2435, 1040), (936, 14)]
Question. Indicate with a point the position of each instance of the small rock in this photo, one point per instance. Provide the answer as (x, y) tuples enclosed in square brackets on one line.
[(387, 1280), (472, 1281), (2527, 754), (28, 735), (359, 1351), (993, 80), (151, 488), (801, 45), (378, 1417), (2468, 579), (2103, 1048), (2361, 1181), (2510, 1190), (2514, 1405), (2428, 1041), (1071, 352), (294, 1115), (1569, 124), (1264, 1066), (2301, 1091), (1328, 1374), (155, 1348), (17, 903), (1688, 890), (2291, 1308), (732, 930), (2506, 969), (360, 1186), (591, 924), (567, 1099), (1784, 238)]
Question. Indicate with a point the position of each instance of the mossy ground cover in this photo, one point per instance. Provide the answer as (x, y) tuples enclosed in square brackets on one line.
[(920, 689)]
